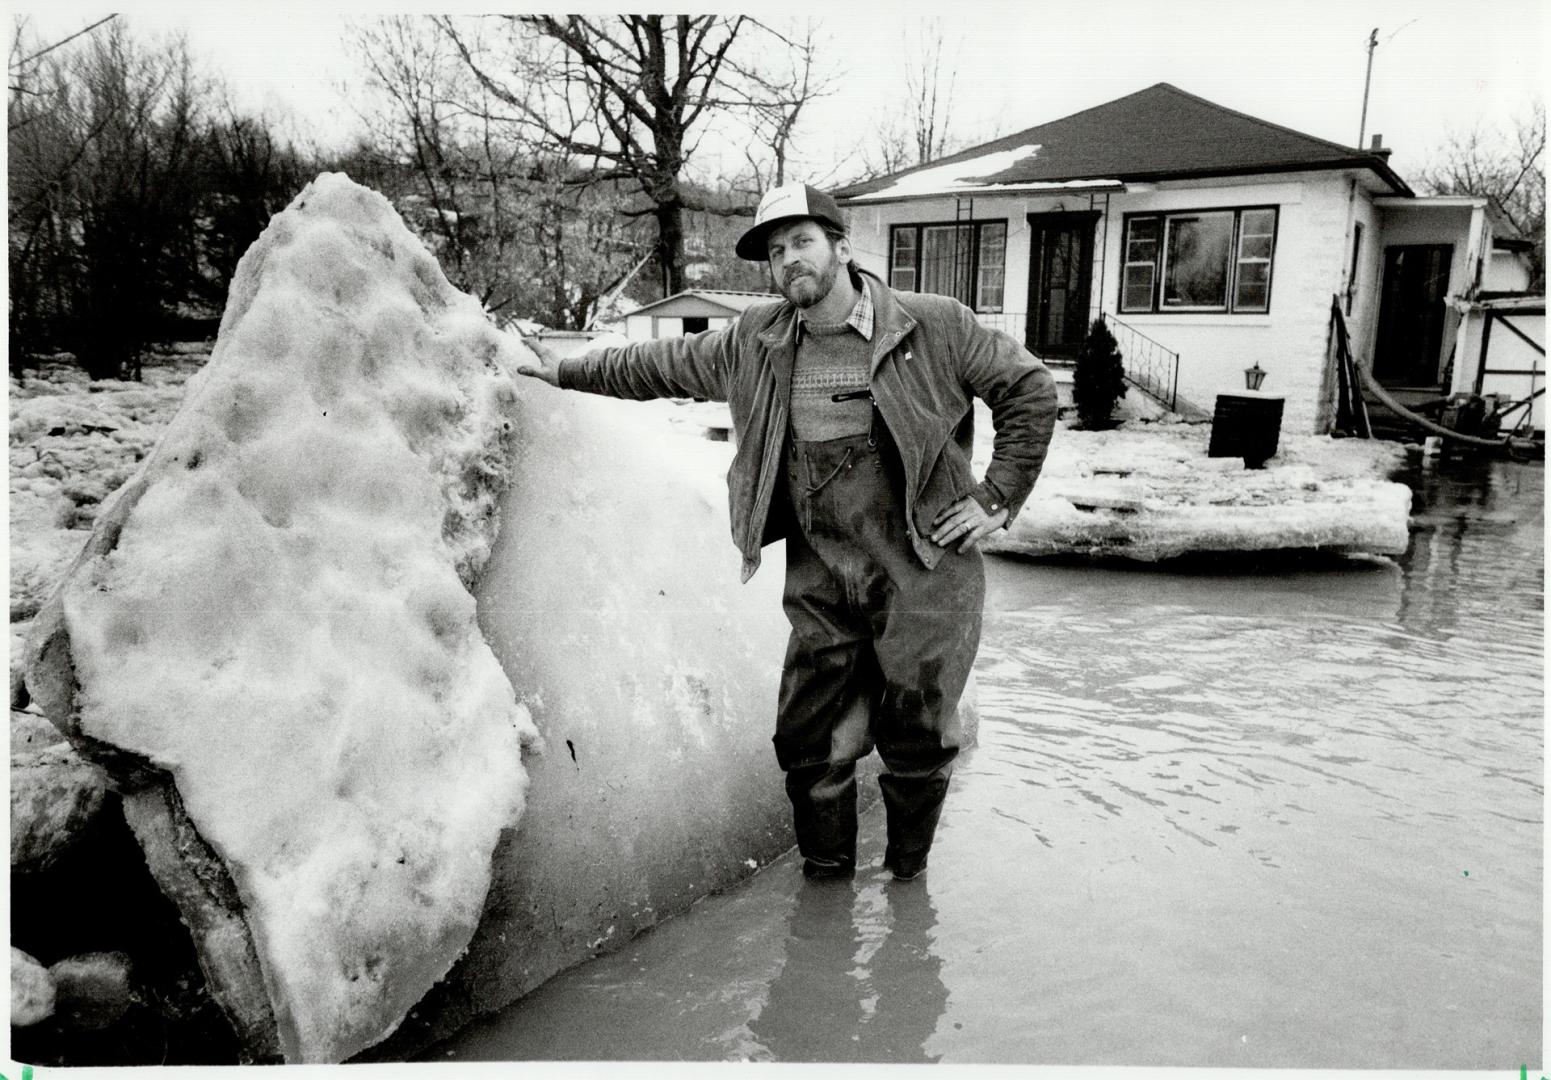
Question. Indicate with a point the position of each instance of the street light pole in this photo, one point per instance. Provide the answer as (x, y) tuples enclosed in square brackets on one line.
[(1362, 127), (1373, 43)]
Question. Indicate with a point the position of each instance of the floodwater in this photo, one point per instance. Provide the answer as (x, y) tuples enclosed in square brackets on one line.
[(1286, 816)]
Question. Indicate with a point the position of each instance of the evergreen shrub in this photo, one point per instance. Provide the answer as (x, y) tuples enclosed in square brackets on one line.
[(1098, 382)]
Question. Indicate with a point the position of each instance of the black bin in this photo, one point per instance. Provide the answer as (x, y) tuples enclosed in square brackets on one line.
[(1247, 425)]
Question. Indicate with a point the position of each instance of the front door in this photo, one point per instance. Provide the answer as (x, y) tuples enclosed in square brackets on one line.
[(1060, 280), (1411, 311)]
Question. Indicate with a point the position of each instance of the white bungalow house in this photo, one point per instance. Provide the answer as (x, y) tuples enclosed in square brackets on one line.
[(1207, 239)]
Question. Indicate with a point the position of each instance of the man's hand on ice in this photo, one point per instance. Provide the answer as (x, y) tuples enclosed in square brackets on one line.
[(548, 366), (966, 523)]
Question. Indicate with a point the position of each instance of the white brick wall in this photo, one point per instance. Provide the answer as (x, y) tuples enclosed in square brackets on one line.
[(1289, 342)]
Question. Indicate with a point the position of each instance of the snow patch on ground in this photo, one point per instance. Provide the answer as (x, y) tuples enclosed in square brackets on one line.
[(285, 622)]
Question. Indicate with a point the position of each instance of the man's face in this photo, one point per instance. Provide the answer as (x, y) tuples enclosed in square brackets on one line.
[(804, 262)]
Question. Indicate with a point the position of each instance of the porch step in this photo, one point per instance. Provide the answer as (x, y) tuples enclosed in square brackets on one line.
[(1388, 424)]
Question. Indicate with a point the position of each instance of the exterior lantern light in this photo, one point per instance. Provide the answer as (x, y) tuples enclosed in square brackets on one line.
[(1254, 376)]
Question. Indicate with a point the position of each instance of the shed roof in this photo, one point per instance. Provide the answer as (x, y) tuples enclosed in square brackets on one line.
[(711, 302), (1160, 133)]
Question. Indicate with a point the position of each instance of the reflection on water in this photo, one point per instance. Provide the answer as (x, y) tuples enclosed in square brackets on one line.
[(1285, 815), (864, 963)]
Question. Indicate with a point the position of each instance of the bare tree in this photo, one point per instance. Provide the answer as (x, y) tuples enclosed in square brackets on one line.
[(629, 96), (930, 102), (917, 130), (423, 126), (23, 56), (103, 169), (783, 88), (248, 176), (889, 150), (498, 208), (1507, 167), (133, 189)]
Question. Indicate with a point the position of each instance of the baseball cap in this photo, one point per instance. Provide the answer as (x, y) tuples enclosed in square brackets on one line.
[(786, 203)]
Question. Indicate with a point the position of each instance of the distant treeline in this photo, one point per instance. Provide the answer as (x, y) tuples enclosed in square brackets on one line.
[(135, 186), (133, 193)]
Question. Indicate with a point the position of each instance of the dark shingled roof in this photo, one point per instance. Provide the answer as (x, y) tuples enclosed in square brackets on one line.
[(1160, 133)]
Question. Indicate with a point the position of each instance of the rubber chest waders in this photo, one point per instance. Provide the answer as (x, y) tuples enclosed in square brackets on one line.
[(879, 653)]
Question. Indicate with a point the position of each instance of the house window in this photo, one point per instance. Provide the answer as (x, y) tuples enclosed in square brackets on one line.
[(1200, 260), (965, 260), (1351, 275), (902, 260), (1141, 264), (1252, 269), (945, 260), (991, 268)]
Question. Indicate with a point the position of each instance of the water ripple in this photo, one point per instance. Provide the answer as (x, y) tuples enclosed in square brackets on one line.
[(1397, 712)]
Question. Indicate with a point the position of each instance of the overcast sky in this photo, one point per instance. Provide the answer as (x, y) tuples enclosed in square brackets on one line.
[(1441, 67)]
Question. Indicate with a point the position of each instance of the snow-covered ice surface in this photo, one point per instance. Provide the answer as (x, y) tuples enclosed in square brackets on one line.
[(283, 621), (72, 443), (1148, 491)]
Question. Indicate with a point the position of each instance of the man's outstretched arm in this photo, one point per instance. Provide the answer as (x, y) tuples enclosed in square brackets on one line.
[(691, 366), (545, 362)]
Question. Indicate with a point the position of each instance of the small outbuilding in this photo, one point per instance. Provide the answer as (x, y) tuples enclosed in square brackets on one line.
[(690, 312)]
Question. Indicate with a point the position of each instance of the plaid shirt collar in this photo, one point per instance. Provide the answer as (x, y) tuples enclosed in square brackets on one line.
[(861, 317)]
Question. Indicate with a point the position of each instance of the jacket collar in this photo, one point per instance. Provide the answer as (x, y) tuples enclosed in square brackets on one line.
[(891, 322)]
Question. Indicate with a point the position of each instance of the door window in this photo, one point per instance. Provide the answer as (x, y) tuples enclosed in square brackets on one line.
[(1060, 282), (1408, 348)]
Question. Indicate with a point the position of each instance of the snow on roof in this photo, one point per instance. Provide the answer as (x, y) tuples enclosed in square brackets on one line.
[(1028, 187), (955, 175)]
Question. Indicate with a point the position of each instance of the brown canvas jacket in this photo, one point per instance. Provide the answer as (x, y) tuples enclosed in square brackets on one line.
[(930, 359)]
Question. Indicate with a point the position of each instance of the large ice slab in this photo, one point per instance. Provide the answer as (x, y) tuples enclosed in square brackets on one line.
[(275, 612), (1148, 492)]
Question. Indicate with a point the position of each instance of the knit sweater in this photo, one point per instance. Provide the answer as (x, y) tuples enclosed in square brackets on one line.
[(831, 360)]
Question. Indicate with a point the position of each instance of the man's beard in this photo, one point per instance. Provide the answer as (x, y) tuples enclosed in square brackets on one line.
[(805, 289)]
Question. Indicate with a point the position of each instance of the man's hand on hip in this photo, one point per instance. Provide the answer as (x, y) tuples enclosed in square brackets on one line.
[(547, 367), (965, 523)]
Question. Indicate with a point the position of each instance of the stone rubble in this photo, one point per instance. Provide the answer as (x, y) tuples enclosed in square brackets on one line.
[(92, 991), (55, 794), (32, 990)]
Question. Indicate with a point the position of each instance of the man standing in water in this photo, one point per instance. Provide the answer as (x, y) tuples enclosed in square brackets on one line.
[(852, 408)]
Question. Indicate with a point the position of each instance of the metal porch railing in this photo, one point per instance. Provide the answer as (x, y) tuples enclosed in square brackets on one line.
[(1012, 323), (1151, 367)]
